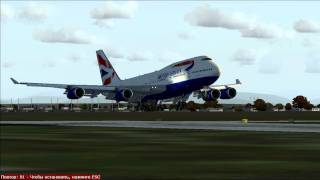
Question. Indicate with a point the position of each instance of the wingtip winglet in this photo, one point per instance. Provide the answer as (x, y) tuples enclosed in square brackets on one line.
[(14, 81), (238, 81)]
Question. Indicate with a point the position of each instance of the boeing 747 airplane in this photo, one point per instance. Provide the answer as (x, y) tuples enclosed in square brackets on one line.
[(176, 81)]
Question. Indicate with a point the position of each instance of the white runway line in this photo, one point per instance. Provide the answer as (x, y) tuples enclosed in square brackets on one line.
[(205, 125)]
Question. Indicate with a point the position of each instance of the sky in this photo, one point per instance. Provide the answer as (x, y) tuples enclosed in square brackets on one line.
[(272, 46)]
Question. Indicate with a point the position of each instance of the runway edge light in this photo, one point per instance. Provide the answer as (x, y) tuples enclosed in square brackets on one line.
[(244, 120)]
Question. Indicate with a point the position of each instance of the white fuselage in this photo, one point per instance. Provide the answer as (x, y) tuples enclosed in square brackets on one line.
[(179, 79), (176, 80), (171, 74)]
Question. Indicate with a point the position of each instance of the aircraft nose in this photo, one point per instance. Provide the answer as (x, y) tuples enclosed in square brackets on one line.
[(216, 70)]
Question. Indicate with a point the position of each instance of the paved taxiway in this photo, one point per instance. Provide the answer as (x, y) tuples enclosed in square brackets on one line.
[(206, 125)]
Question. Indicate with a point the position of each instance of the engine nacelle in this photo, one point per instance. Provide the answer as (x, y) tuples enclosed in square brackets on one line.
[(211, 95), (75, 93), (124, 95), (228, 93)]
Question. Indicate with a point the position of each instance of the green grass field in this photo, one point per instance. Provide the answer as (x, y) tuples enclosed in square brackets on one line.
[(165, 116), (129, 153)]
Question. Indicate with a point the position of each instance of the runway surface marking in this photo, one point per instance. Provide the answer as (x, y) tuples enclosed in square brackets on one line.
[(205, 125)]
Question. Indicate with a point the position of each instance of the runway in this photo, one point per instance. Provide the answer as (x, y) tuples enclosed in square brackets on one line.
[(200, 125)]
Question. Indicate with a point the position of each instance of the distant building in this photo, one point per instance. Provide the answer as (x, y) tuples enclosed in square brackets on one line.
[(278, 110), (27, 109), (96, 109), (210, 110), (215, 109), (47, 109), (7, 109), (122, 108), (253, 110), (65, 108), (76, 109)]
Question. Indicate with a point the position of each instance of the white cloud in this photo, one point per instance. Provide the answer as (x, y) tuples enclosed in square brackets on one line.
[(6, 12), (245, 57), (140, 56), (307, 26), (104, 23), (261, 31), (308, 43), (313, 63), (74, 58), (312, 66), (63, 35), (271, 63), (185, 35), (111, 10), (114, 53), (249, 27), (122, 54), (8, 65), (170, 56), (208, 17), (269, 69), (49, 64), (34, 12)]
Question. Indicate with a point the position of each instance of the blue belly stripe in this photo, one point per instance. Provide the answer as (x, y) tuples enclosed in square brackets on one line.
[(181, 88)]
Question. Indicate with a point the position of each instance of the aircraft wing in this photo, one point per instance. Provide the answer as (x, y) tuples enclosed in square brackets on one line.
[(219, 87), (226, 85), (94, 89), (64, 86)]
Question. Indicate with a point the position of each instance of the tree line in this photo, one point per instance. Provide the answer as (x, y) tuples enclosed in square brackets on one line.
[(299, 102)]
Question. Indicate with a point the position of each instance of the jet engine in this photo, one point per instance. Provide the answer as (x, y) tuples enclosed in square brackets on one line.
[(228, 93), (211, 95), (75, 93), (124, 95)]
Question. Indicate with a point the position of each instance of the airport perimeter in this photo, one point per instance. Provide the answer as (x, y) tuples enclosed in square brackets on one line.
[(135, 153), (163, 145), (163, 116)]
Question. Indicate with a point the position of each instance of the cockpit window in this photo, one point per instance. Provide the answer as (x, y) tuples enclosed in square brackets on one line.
[(206, 59)]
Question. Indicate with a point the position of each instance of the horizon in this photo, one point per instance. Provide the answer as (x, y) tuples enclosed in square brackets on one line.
[(271, 53), (269, 98)]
